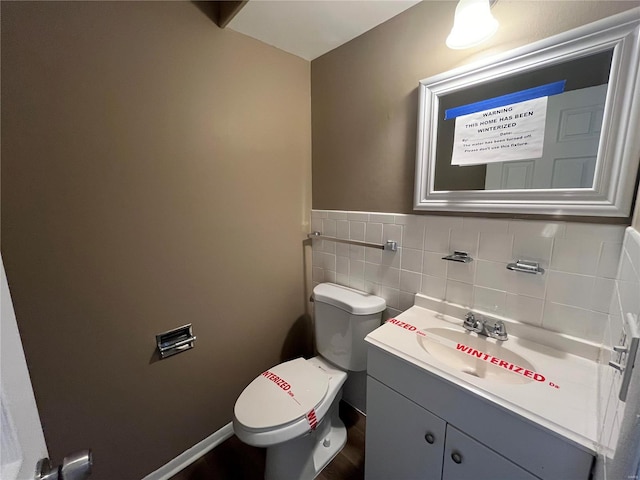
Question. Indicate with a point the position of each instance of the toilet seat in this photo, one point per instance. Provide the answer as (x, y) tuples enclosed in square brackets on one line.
[(282, 395)]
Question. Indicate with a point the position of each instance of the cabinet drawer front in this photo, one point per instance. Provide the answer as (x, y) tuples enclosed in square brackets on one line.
[(404, 441), (467, 459)]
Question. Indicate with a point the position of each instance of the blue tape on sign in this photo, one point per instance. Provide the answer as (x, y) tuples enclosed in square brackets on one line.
[(529, 94)]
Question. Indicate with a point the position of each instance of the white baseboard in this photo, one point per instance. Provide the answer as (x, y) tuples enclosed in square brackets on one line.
[(189, 456)]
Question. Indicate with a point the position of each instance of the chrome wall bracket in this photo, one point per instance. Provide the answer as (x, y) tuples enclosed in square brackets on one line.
[(175, 341), (627, 351), (526, 266), (458, 256)]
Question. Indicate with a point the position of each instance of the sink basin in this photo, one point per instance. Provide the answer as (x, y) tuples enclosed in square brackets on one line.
[(478, 356)]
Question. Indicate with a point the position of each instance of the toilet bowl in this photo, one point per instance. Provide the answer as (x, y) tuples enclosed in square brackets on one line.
[(292, 408)]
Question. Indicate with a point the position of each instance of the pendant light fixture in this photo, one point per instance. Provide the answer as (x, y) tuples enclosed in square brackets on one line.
[(472, 24)]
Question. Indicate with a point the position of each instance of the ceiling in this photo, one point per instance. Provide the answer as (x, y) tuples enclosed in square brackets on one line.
[(311, 28)]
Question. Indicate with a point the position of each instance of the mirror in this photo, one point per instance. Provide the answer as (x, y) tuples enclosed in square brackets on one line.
[(550, 128)]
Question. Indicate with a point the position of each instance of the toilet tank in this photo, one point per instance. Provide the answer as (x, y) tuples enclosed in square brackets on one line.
[(343, 317)]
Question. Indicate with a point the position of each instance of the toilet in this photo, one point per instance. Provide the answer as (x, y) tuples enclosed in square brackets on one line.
[(292, 408)]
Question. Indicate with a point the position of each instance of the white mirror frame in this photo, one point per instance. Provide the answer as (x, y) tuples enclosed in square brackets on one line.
[(618, 157)]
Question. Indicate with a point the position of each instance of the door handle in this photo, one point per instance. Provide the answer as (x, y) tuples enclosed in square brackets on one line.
[(76, 466)]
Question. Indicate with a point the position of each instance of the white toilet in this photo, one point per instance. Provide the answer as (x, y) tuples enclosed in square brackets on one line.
[(292, 408)]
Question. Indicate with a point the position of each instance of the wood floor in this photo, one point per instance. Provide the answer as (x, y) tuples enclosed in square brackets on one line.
[(233, 459)]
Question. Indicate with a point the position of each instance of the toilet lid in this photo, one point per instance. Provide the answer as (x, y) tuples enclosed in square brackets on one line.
[(281, 395)]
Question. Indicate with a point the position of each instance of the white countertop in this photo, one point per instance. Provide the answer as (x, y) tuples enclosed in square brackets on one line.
[(565, 402)]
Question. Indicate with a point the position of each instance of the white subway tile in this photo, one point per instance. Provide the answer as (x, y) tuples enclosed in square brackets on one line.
[(527, 284), (489, 301), (609, 259), (327, 246), (434, 287), (574, 321), (342, 279), (570, 289), (342, 229), (317, 274), (371, 287), (392, 233), (329, 227), (329, 276), (410, 281), (356, 230), (438, 222), (342, 265), (356, 269), (533, 248), (373, 255), (390, 277), (391, 296), (411, 260), (489, 225), (356, 252), (629, 298), (602, 294), (317, 258), (495, 246), (342, 249), (602, 232), (391, 259), (373, 233), (316, 224), (459, 293), (318, 214), (372, 272), (434, 265), (381, 218), (492, 275), (632, 247), (437, 240), (461, 272), (357, 283), (413, 234), (337, 215), (535, 228), (576, 255), (524, 309), (464, 241), (329, 262), (358, 216)]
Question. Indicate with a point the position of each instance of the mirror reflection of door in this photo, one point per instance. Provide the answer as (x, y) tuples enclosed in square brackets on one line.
[(572, 134)]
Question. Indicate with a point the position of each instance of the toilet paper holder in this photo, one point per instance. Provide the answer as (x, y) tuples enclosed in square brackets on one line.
[(175, 341)]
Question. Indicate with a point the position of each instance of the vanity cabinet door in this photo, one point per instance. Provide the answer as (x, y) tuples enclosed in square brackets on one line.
[(403, 440), (466, 458)]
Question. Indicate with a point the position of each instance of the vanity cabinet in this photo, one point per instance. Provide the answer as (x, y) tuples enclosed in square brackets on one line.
[(406, 441), (423, 426)]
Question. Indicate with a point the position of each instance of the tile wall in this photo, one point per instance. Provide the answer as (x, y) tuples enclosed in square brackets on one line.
[(625, 300), (572, 297)]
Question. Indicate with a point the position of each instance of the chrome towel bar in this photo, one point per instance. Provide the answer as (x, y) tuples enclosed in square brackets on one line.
[(390, 245)]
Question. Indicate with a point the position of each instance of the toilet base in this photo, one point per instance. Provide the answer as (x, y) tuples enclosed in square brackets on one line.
[(304, 458)]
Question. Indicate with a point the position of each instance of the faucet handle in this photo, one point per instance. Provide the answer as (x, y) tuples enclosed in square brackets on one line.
[(499, 331), (473, 322), (469, 321)]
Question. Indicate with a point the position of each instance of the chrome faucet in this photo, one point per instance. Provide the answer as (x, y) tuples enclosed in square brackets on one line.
[(475, 323)]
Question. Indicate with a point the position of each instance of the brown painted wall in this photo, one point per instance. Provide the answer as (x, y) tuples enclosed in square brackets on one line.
[(155, 172), (365, 97)]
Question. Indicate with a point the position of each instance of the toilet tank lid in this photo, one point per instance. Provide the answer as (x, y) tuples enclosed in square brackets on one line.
[(348, 299)]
